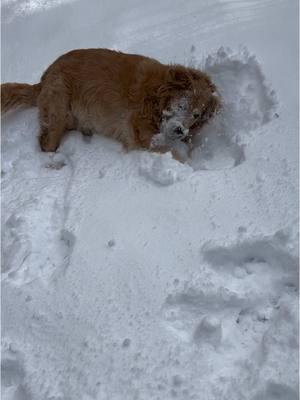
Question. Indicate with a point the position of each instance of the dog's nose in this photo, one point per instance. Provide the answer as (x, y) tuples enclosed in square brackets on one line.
[(178, 131)]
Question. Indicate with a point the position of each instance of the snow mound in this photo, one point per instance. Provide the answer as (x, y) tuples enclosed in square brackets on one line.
[(162, 169), (247, 98), (247, 104)]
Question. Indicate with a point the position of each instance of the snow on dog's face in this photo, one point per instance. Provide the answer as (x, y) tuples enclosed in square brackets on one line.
[(187, 114), (190, 108)]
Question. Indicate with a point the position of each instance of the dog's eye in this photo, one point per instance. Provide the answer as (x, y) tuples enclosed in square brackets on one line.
[(196, 115)]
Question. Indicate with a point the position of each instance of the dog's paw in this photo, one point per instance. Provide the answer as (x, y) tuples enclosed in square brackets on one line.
[(47, 144)]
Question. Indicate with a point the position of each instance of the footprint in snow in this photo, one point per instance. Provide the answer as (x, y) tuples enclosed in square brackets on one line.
[(255, 275), (13, 377)]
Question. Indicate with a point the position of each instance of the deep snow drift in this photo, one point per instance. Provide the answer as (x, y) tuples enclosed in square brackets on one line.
[(132, 276)]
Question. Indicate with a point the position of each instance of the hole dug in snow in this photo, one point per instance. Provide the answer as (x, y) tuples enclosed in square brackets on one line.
[(247, 104)]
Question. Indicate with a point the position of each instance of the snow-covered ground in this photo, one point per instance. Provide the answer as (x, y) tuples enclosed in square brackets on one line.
[(132, 276)]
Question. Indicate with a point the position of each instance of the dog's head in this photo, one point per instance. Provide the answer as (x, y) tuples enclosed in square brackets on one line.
[(193, 101)]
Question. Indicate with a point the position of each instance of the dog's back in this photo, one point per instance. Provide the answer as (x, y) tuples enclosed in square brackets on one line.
[(102, 87)]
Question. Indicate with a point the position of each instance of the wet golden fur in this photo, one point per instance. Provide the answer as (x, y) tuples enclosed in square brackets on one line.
[(102, 91)]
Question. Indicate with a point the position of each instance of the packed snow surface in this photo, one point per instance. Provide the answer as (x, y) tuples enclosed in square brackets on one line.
[(132, 276)]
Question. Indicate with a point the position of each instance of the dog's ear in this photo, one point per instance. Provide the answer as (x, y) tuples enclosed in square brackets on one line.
[(179, 76), (184, 78), (197, 75)]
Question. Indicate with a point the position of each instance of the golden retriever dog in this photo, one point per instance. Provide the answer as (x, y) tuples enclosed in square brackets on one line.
[(128, 97)]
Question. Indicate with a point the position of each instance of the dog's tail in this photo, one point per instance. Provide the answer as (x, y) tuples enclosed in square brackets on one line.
[(14, 95)]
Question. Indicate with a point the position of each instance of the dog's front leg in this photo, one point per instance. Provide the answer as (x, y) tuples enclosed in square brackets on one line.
[(142, 134)]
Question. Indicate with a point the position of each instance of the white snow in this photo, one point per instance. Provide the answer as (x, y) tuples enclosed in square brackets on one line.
[(132, 276)]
